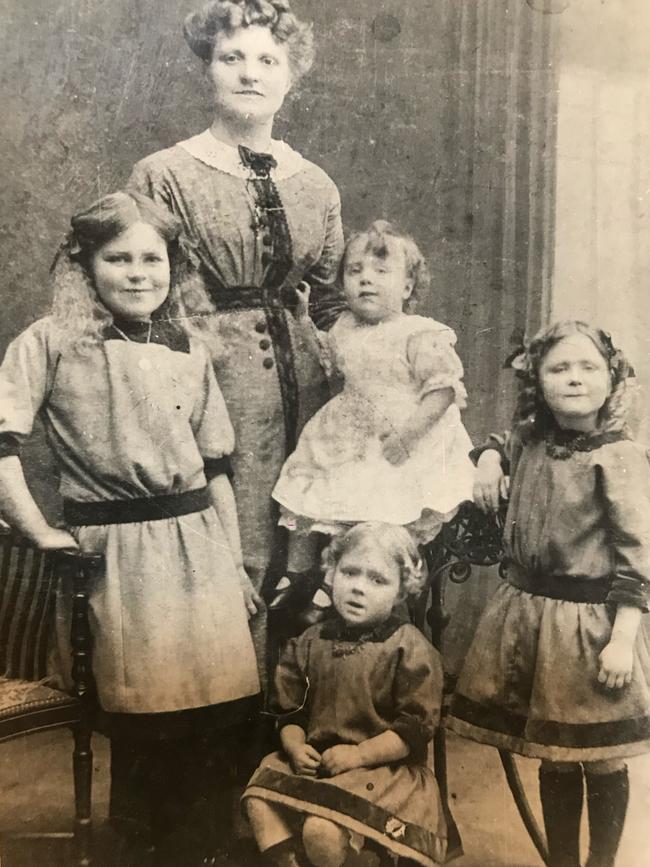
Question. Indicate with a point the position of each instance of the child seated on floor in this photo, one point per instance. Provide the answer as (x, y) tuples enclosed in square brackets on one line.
[(357, 698)]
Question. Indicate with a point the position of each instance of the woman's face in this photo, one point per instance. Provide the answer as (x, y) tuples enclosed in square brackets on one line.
[(131, 273), (250, 74)]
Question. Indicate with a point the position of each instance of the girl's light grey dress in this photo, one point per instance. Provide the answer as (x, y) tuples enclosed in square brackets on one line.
[(135, 428)]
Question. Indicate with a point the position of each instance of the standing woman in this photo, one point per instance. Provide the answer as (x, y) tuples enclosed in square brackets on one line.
[(263, 218)]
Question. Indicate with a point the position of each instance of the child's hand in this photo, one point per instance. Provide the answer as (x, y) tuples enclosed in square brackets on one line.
[(616, 662), (490, 482), (303, 291), (344, 757), (53, 539), (394, 448), (304, 759), (252, 599)]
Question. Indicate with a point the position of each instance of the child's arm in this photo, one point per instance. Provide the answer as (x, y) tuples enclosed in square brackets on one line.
[(397, 445), (305, 759), (417, 696), (437, 373), (223, 500), (25, 381), (493, 460), (215, 439), (381, 750), (617, 658), (624, 480), (491, 484), (20, 510), (319, 342)]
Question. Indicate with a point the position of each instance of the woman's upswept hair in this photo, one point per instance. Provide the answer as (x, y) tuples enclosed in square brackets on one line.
[(532, 417), (224, 16), (76, 306), (381, 238), (393, 540)]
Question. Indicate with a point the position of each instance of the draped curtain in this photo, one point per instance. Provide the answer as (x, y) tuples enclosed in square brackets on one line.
[(498, 203), (438, 114), (500, 124)]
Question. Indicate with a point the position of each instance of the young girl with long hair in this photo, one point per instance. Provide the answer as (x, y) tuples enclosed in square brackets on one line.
[(559, 667), (141, 437)]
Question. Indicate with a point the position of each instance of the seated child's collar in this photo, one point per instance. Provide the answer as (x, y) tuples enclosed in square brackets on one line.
[(336, 629)]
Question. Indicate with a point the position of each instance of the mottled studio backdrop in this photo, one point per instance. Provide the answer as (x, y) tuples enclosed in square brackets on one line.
[(432, 113)]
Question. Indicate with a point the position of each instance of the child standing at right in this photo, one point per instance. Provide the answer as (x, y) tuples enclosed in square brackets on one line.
[(559, 669)]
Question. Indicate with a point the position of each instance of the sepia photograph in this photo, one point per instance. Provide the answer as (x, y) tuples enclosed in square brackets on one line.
[(324, 433)]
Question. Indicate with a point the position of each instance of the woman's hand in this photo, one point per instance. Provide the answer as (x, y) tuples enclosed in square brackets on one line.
[(252, 599), (303, 292), (490, 482), (341, 758), (616, 663), (53, 539), (304, 759)]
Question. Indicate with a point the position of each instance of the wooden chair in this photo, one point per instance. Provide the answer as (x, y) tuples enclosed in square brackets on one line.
[(28, 579), (469, 540)]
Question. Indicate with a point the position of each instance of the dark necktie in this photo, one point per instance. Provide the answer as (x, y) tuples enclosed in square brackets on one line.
[(260, 164)]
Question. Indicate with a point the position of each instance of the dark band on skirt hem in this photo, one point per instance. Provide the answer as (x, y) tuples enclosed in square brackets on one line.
[(135, 511), (550, 732), (531, 750), (366, 818)]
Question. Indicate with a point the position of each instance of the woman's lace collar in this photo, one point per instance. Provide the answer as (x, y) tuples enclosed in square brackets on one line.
[(209, 150)]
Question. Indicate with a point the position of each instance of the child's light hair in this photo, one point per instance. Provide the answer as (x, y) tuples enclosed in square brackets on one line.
[(381, 239), (395, 541), (76, 307), (532, 416)]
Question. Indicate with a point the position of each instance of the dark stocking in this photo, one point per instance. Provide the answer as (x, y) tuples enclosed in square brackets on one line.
[(561, 793), (607, 798), (283, 854)]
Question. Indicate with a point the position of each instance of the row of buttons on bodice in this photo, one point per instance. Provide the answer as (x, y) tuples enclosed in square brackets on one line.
[(264, 344)]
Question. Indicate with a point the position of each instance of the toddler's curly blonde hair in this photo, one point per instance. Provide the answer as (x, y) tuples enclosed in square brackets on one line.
[(381, 238), (395, 541)]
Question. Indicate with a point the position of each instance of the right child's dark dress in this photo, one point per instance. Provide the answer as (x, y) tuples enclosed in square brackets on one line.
[(577, 543)]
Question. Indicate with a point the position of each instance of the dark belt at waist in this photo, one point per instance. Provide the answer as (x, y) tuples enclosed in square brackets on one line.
[(134, 511), (565, 587), (249, 297)]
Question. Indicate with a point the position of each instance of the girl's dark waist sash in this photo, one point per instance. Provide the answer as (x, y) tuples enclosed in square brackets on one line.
[(135, 511), (566, 587)]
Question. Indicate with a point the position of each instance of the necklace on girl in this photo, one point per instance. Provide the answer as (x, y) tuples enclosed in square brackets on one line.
[(143, 363)]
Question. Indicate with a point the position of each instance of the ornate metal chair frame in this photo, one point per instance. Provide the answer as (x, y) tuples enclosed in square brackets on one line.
[(28, 579), (470, 539)]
